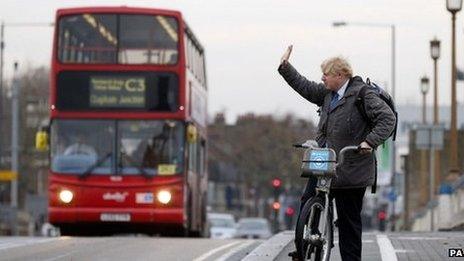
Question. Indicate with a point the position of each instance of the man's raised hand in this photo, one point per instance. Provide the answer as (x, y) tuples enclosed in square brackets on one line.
[(286, 55)]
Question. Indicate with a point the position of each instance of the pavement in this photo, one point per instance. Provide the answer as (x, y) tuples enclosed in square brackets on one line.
[(376, 246)]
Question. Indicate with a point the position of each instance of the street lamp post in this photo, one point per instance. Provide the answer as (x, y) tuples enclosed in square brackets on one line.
[(2, 49), (435, 54), (15, 115), (2, 46), (424, 86), (393, 88), (14, 135), (453, 7)]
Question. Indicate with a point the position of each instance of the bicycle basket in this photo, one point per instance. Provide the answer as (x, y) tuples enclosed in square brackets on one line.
[(318, 162)]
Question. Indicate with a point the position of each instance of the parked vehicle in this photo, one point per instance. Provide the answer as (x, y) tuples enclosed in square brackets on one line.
[(221, 226), (253, 228)]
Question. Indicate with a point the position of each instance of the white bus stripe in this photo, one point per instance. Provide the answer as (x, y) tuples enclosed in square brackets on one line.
[(387, 252), (214, 251)]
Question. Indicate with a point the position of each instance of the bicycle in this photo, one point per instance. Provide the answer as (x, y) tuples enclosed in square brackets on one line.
[(315, 225)]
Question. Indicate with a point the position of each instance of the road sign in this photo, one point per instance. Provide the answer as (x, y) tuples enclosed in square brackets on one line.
[(392, 196), (429, 136), (8, 175)]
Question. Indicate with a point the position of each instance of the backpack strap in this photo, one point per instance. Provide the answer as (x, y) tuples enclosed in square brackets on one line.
[(396, 125), (360, 103), (374, 186), (362, 110)]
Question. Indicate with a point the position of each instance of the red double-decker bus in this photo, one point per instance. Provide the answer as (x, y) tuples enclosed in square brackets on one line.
[(128, 123)]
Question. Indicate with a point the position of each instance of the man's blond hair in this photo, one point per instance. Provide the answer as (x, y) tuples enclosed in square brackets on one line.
[(337, 65)]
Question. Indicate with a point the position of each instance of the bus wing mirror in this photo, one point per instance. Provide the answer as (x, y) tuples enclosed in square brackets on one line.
[(41, 140), (191, 134)]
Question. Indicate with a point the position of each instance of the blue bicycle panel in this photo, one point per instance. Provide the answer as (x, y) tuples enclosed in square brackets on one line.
[(323, 157)]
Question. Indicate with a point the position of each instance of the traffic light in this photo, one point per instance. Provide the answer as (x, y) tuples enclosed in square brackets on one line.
[(289, 211), (289, 215), (381, 216), (276, 205), (276, 183)]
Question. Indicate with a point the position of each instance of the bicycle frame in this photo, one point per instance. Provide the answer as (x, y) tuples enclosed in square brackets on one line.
[(325, 190), (322, 164)]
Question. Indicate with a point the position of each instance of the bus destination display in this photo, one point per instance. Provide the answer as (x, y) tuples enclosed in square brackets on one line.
[(117, 92)]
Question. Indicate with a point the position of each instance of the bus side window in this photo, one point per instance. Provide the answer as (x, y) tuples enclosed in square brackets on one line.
[(198, 158), (202, 157), (186, 50), (193, 156)]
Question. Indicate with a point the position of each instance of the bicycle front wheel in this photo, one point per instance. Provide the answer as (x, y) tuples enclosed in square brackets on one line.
[(313, 240)]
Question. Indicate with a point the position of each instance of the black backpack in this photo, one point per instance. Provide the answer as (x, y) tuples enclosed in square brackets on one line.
[(385, 96)]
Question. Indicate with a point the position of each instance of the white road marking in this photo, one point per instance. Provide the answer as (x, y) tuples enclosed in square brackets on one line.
[(404, 250), (236, 250), (58, 257), (387, 252), (214, 251), (421, 238), (364, 241), (22, 241), (62, 256)]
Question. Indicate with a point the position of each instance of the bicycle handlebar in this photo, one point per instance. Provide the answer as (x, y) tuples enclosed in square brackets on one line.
[(341, 155), (313, 145), (307, 144)]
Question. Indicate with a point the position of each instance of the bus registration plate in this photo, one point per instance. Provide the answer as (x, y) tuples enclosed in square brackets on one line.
[(115, 217)]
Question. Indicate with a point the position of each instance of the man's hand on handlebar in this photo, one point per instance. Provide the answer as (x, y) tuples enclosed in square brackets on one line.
[(365, 148)]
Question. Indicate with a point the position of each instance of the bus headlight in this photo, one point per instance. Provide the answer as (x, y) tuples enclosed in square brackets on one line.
[(164, 196), (66, 196)]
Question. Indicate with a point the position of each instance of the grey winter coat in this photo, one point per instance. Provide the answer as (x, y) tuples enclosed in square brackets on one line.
[(344, 125)]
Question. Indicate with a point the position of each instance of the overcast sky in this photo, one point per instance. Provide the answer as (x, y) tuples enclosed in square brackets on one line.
[(245, 39)]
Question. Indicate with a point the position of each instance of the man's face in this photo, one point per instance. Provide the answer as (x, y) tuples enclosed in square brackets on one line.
[(333, 82)]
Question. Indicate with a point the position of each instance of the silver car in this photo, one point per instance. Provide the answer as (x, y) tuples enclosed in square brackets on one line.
[(221, 226), (253, 228)]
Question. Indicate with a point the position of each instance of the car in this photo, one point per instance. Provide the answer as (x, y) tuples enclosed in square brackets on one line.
[(253, 228), (221, 226)]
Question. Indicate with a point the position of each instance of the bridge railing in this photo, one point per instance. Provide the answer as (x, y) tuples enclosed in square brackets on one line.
[(448, 210)]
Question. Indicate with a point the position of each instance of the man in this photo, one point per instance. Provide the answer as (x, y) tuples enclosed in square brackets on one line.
[(341, 124)]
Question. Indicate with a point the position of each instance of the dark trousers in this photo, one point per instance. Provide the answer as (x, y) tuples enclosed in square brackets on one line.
[(349, 206)]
